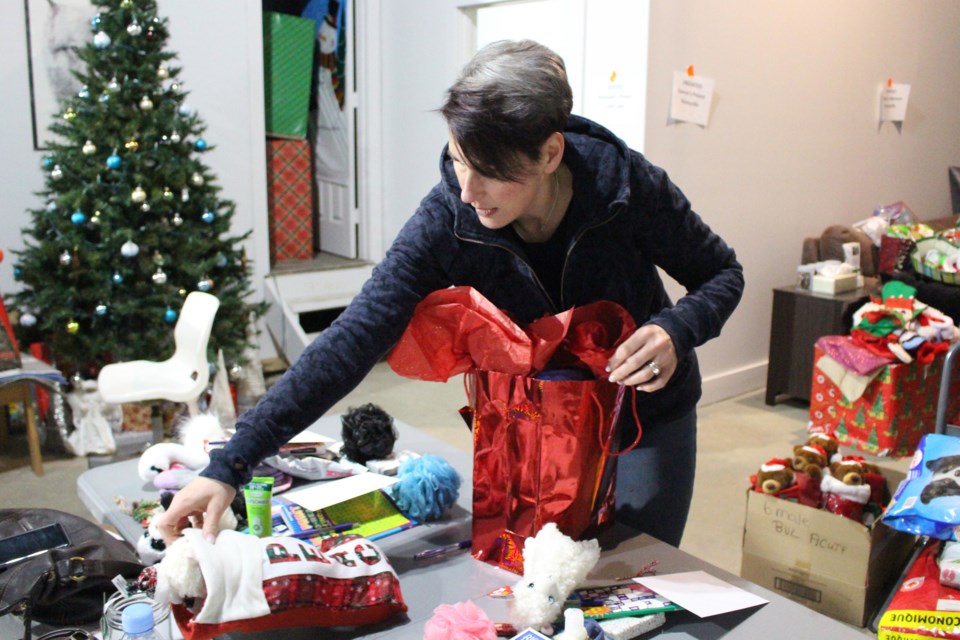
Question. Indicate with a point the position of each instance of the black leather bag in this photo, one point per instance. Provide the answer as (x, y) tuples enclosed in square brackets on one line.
[(66, 585)]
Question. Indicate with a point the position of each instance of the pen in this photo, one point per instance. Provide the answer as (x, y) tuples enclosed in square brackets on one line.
[(335, 528), (442, 551)]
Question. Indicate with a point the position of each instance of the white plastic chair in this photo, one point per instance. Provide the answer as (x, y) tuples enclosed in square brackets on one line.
[(182, 377)]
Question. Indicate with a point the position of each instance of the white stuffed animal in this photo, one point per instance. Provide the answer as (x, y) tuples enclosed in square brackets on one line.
[(553, 565), (152, 549), (185, 458)]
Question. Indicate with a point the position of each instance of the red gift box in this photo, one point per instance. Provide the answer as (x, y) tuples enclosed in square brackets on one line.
[(897, 408), (894, 254), (290, 200)]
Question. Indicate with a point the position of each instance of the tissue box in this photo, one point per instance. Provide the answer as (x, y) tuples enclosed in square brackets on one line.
[(834, 284)]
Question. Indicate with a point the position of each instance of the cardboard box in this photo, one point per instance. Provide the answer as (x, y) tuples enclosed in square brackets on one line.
[(834, 284), (289, 200), (287, 73), (829, 563), (897, 408)]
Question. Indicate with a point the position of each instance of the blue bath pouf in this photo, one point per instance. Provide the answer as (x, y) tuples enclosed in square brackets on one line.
[(428, 486)]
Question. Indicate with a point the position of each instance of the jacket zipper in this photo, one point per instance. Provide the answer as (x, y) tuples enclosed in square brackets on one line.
[(566, 258)]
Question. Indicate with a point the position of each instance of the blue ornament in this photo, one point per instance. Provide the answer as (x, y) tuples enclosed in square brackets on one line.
[(221, 260), (100, 310), (104, 97), (207, 216), (169, 316), (117, 277), (95, 22), (47, 162), (84, 92), (78, 217), (114, 161), (17, 272), (200, 144), (205, 285)]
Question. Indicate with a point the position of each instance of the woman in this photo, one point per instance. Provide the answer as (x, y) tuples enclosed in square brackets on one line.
[(539, 211)]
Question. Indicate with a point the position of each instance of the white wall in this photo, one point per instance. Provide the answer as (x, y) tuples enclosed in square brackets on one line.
[(794, 144), (219, 43)]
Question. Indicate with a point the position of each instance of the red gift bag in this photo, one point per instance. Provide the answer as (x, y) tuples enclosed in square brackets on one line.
[(542, 447), (542, 453)]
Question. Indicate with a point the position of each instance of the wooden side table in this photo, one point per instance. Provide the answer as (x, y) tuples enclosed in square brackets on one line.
[(799, 318), (16, 386)]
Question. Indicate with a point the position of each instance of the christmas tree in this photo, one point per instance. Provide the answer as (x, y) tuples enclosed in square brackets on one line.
[(131, 219)]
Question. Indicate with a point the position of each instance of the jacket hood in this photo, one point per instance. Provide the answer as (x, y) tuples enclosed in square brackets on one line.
[(598, 160)]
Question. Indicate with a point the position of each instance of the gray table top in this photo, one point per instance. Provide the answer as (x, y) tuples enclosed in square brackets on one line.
[(459, 577)]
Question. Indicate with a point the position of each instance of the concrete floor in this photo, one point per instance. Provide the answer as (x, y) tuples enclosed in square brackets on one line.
[(735, 437)]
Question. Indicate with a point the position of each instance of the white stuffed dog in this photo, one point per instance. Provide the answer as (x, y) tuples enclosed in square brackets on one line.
[(553, 565)]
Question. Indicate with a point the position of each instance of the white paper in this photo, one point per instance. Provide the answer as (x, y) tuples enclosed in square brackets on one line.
[(691, 98), (700, 593), (321, 495), (310, 436), (893, 102)]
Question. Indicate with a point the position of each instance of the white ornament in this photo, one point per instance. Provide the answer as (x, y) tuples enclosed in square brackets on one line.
[(101, 40), (159, 277), (129, 249), (28, 320), (134, 28)]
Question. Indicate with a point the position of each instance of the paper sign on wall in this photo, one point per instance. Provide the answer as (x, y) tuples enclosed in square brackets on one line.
[(893, 102), (691, 98)]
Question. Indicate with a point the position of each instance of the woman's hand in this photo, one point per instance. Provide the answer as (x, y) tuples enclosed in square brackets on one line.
[(204, 499), (646, 360)]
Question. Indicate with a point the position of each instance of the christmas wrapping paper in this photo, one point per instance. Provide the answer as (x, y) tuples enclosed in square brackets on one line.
[(290, 200), (287, 71), (896, 409)]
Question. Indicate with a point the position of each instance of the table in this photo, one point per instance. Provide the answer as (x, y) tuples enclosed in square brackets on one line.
[(800, 317), (459, 577), (16, 386)]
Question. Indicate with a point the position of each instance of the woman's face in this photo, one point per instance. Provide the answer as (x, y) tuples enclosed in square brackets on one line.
[(498, 203)]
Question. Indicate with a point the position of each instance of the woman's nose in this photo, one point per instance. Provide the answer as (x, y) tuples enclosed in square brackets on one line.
[(469, 187)]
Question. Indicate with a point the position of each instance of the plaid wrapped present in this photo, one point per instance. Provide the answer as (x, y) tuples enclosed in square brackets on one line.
[(290, 200)]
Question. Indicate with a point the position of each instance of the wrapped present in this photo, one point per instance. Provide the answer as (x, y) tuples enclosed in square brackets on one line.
[(287, 73), (137, 416), (543, 414), (290, 200), (896, 408)]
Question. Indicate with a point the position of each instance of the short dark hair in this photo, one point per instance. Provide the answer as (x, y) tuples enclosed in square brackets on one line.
[(507, 101)]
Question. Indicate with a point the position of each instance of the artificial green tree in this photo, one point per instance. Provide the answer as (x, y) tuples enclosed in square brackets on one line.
[(131, 219)]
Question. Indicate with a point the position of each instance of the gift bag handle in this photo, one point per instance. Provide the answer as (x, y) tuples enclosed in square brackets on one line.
[(605, 444)]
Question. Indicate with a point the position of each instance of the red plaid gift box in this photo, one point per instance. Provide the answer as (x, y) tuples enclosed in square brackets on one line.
[(290, 200), (897, 408)]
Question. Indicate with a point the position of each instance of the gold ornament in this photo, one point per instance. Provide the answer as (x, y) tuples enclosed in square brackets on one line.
[(131, 144), (89, 148), (146, 104), (138, 195), (163, 73), (196, 179), (73, 327), (69, 114), (167, 194)]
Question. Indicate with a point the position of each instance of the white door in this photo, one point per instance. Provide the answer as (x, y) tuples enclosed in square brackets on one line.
[(334, 143)]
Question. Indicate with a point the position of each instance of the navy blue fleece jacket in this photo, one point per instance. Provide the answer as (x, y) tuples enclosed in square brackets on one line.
[(628, 219)]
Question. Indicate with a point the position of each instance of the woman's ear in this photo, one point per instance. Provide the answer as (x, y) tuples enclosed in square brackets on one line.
[(551, 153)]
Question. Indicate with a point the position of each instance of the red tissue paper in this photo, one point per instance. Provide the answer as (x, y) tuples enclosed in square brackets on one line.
[(456, 330)]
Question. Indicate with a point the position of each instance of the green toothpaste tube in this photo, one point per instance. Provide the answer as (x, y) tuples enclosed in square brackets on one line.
[(257, 494)]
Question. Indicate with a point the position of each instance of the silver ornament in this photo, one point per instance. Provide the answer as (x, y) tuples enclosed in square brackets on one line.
[(134, 28), (28, 320), (138, 195), (146, 104), (159, 277), (65, 258)]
